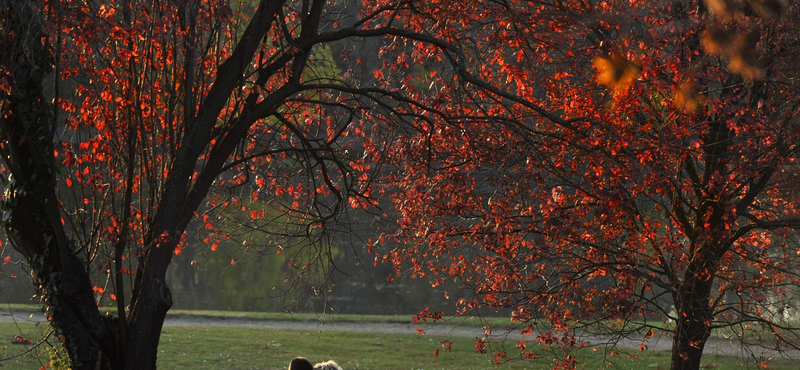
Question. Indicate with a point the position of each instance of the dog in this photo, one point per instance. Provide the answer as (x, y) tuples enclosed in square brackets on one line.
[(327, 365)]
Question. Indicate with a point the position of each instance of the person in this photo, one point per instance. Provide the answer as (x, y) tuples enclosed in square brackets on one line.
[(300, 363)]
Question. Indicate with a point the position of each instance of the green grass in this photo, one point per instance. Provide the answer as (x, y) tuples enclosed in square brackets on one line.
[(235, 348), (214, 348)]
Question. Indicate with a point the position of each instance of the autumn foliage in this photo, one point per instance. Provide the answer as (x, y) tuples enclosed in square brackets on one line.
[(593, 167), (624, 169), (125, 122)]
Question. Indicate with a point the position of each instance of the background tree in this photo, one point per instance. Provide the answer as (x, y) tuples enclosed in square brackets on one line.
[(665, 192)]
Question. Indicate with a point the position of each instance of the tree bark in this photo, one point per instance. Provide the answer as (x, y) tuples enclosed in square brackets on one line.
[(693, 300), (150, 308), (30, 211)]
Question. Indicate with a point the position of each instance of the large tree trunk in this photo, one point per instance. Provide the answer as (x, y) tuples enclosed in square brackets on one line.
[(152, 305), (692, 302), (149, 305)]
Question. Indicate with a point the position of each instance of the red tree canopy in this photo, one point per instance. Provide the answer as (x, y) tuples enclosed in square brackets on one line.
[(660, 187), (125, 121), (581, 163)]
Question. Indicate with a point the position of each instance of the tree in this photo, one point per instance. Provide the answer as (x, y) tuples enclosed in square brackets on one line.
[(668, 183), (125, 121), (664, 189)]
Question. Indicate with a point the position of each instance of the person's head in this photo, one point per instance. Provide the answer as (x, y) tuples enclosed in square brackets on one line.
[(300, 363)]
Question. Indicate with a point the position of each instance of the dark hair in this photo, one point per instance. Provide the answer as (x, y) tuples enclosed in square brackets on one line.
[(300, 363)]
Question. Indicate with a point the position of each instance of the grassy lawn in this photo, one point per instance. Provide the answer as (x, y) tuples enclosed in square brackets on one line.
[(220, 348)]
